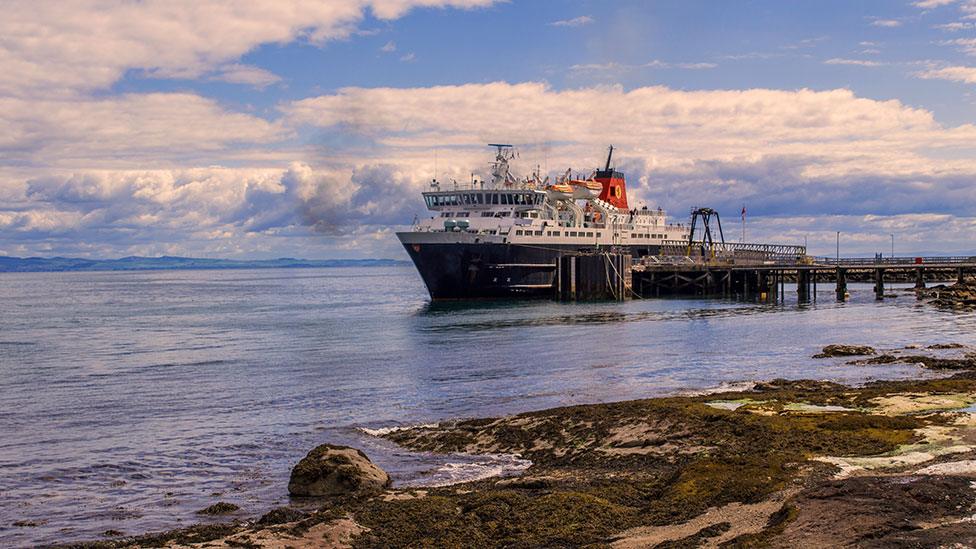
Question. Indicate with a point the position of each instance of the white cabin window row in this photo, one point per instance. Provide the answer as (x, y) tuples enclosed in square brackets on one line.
[(577, 234), (485, 199), (646, 235)]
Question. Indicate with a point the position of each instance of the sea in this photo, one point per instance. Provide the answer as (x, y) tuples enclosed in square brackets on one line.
[(131, 400)]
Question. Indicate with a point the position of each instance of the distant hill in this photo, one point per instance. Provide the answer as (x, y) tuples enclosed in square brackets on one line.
[(57, 264)]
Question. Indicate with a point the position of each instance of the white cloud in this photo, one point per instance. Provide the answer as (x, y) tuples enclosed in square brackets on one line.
[(574, 22), (136, 129), (406, 58), (389, 47), (889, 23), (52, 47), (954, 74), (966, 45), (857, 62), (236, 73), (928, 4), (653, 64), (956, 26)]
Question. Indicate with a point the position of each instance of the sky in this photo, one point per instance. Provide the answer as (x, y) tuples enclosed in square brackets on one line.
[(301, 128)]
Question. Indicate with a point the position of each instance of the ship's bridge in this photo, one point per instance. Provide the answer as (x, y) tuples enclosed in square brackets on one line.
[(437, 200)]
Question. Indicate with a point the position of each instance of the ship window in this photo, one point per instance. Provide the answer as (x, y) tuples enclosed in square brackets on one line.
[(556, 233), (487, 214), (598, 235), (633, 235), (589, 233), (538, 233), (518, 233), (505, 199), (494, 198)]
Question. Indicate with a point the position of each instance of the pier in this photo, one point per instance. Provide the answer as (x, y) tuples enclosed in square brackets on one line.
[(762, 270)]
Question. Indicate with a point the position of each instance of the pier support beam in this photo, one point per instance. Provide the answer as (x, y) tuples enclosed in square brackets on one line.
[(814, 286), (960, 275), (841, 284), (919, 278), (879, 284), (802, 285)]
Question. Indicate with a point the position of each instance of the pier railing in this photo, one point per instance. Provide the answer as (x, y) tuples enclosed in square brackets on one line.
[(730, 252), (897, 261)]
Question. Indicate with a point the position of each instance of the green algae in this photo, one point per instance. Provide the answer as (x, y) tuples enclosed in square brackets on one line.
[(493, 518)]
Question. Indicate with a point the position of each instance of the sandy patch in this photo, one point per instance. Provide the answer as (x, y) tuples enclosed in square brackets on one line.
[(336, 534), (913, 403), (966, 467), (744, 518), (937, 441)]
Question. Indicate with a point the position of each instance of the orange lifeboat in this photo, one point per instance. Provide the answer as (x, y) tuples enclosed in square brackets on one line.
[(560, 191), (585, 189)]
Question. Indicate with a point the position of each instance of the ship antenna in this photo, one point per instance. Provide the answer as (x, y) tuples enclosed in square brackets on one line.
[(609, 156)]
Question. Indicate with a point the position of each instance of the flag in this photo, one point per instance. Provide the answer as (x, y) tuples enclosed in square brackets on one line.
[(743, 212)]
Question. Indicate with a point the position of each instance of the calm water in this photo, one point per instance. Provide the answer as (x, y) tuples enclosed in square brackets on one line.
[(130, 400)]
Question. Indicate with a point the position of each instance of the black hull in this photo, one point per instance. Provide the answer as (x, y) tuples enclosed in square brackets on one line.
[(492, 271)]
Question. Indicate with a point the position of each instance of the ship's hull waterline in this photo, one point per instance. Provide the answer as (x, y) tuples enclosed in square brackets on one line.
[(493, 270)]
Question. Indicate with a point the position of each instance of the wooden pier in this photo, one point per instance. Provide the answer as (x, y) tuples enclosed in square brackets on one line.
[(747, 270)]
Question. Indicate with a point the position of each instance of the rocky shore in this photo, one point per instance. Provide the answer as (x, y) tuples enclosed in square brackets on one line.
[(783, 464), (959, 296)]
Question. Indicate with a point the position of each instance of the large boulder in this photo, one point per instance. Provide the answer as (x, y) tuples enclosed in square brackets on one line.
[(330, 470)]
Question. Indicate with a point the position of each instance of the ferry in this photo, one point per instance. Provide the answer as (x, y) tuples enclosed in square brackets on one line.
[(503, 238)]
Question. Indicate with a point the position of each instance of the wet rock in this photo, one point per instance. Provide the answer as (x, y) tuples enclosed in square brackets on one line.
[(957, 296), (844, 350), (219, 508), (25, 524), (281, 515), (113, 533), (330, 470), (932, 363), (876, 511), (800, 385), (946, 346)]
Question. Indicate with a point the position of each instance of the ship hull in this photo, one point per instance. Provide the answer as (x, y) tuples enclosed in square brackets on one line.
[(491, 270)]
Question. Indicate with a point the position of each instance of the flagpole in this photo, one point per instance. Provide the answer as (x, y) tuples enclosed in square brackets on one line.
[(743, 223)]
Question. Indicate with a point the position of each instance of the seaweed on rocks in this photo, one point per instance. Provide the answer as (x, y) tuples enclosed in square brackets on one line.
[(601, 472)]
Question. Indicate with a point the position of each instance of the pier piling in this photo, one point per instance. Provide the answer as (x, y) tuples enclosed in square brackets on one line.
[(594, 277), (803, 285), (841, 284)]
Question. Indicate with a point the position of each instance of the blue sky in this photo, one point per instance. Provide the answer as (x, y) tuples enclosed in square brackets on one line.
[(308, 128)]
